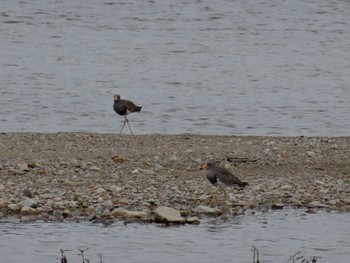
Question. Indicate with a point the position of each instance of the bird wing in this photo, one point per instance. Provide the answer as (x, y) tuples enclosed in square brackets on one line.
[(228, 178)]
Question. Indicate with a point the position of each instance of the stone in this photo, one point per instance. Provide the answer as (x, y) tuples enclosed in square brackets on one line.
[(277, 206), (107, 203), (28, 211), (194, 220), (15, 207), (90, 210), (202, 209), (100, 190), (118, 159), (3, 203), (164, 214), (29, 203), (286, 187), (66, 213), (28, 193), (2, 188), (317, 204), (73, 204), (124, 212)]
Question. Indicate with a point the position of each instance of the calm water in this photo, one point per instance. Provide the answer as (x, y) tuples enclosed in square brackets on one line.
[(211, 67), (277, 235)]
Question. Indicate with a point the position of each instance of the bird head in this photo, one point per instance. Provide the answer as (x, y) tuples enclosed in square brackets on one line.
[(207, 165), (116, 97)]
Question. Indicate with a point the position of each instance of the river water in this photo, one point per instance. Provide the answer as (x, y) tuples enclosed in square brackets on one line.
[(277, 235), (210, 67)]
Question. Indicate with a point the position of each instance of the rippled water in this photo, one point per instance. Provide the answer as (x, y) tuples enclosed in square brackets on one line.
[(277, 235), (213, 67)]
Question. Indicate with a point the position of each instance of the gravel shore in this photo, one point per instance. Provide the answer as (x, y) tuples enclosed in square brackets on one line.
[(109, 177)]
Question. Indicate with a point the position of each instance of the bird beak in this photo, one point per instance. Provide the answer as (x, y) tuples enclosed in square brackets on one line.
[(203, 166)]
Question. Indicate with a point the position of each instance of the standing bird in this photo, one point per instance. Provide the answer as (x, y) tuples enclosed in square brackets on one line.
[(222, 178), (124, 107)]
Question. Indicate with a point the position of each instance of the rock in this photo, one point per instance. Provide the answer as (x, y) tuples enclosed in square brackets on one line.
[(317, 204), (107, 203), (116, 189), (277, 206), (2, 188), (202, 209), (311, 153), (135, 171), (29, 203), (90, 210), (3, 203), (319, 182), (193, 220), (118, 159), (164, 214), (286, 187), (28, 211), (100, 190), (28, 193), (124, 212), (73, 204), (22, 168), (66, 213), (15, 207), (95, 168), (106, 213)]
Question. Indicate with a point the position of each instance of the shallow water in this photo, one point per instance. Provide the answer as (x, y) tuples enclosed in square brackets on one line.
[(210, 67), (277, 235)]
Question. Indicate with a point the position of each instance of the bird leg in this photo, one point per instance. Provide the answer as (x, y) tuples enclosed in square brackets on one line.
[(224, 205), (122, 126), (128, 124), (213, 198)]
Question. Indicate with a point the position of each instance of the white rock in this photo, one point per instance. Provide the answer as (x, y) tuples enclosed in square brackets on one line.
[(202, 209), (29, 202), (95, 168), (124, 212), (107, 203), (135, 171), (168, 214), (311, 153), (317, 204), (100, 190), (73, 204), (286, 187)]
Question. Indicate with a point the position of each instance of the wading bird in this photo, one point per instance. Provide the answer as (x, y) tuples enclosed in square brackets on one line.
[(221, 178), (124, 107)]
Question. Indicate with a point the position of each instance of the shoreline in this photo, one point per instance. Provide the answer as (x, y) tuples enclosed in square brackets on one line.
[(78, 176)]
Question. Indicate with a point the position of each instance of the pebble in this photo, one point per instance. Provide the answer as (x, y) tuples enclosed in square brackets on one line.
[(15, 207), (28, 202), (28, 211), (87, 185)]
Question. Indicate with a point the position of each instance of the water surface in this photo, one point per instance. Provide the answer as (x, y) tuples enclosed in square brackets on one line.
[(209, 67), (277, 235)]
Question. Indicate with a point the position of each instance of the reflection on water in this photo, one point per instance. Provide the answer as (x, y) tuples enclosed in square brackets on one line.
[(277, 235), (210, 67)]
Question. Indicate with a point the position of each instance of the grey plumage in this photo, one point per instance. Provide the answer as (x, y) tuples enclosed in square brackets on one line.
[(219, 176), (222, 177)]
